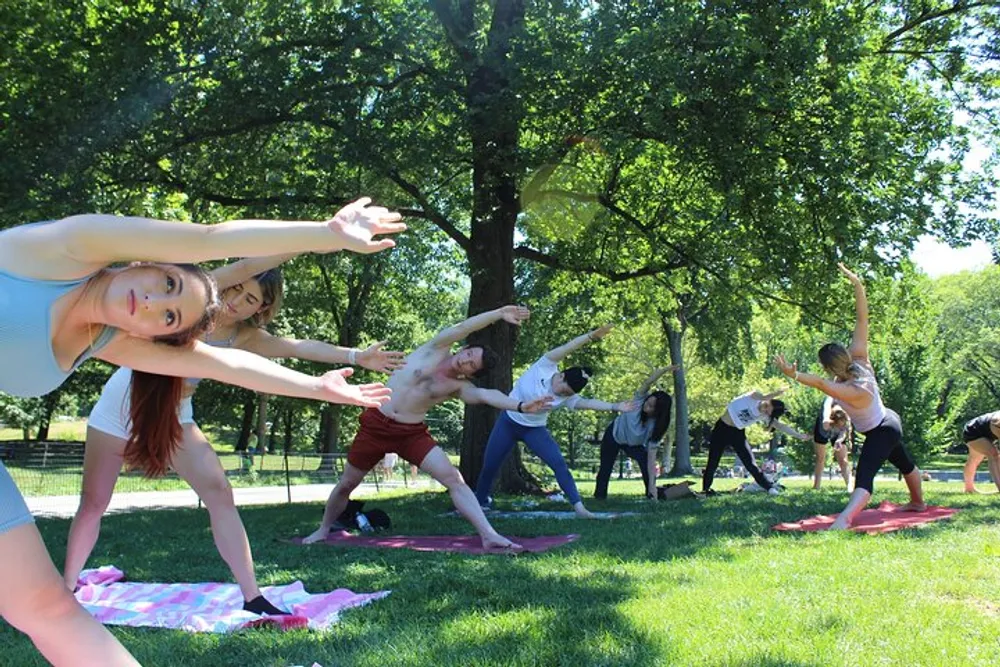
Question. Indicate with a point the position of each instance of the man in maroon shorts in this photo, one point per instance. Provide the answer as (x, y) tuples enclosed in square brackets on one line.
[(432, 375)]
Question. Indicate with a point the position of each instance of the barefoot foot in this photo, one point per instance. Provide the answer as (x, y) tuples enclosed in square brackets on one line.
[(913, 507), (501, 545), (318, 536)]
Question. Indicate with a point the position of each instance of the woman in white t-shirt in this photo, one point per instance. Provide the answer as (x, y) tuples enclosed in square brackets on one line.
[(729, 431), (855, 388), (544, 378)]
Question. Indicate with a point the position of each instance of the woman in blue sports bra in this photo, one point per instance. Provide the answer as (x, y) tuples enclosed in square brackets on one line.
[(251, 293), (60, 304)]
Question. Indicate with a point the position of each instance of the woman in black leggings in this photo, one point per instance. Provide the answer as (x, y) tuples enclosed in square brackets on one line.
[(729, 431), (638, 433), (855, 388)]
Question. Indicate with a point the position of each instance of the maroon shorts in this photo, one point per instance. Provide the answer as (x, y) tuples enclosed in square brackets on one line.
[(380, 435)]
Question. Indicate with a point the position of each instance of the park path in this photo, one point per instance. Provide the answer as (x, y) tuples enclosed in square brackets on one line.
[(64, 507)]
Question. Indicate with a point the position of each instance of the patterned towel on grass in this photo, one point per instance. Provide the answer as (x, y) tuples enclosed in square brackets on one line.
[(207, 607)]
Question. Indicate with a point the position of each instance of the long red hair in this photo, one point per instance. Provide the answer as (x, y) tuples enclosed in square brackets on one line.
[(155, 429)]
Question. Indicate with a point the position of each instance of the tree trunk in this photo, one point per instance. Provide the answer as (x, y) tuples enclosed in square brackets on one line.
[(262, 426), (247, 423), (329, 436), (46, 410), (682, 440), (493, 112)]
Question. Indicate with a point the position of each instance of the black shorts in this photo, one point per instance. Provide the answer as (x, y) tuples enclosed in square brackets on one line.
[(820, 435)]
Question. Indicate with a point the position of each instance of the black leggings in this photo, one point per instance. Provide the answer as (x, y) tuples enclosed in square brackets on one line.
[(882, 443), (724, 435), (609, 454)]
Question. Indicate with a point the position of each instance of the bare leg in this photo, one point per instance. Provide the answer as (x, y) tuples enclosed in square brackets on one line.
[(915, 485), (34, 599), (840, 454), (438, 466), (102, 463), (994, 462), (198, 465), (337, 502), (857, 503), (978, 450), (820, 450)]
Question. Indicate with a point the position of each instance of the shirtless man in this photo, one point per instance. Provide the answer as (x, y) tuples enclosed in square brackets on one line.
[(432, 375)]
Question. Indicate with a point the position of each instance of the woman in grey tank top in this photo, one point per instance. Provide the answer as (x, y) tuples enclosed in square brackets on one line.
[(855, 389), (251, 295), (60, 303)]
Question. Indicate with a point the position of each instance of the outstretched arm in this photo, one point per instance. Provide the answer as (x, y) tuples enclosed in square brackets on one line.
[(788, 430), (653, 377), (594, 404), (561, 352), (81, 244), (241, 368), (859, 343), (473, 395), (651, 467), (235, 273), (512, 314), (842, 392), (373, 357)]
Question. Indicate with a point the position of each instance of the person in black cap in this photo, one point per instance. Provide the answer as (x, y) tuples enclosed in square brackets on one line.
[(729, 431), (543, 378)]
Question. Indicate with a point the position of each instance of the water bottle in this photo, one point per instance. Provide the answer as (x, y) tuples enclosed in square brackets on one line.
[(364, 524)]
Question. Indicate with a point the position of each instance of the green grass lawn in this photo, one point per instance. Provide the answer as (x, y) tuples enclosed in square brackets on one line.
[(684, 583)]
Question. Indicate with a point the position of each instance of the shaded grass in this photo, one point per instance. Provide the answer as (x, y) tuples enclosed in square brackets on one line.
[(685, 582)]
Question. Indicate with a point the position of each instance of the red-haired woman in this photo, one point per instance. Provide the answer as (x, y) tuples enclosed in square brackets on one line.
[(62, 303), (251, 293)]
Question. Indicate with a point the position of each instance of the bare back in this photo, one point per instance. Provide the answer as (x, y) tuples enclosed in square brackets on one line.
[(419, 385)]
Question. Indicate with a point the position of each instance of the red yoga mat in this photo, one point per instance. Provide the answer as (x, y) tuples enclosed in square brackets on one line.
[(466, 544), (885, 518)]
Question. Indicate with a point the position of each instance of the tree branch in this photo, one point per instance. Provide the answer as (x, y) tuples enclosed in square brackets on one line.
[(927, 16), (530, 254), (430, 213)]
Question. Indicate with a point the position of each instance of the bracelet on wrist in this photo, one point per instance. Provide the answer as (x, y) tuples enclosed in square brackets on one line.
[(520, 406), (352, 356)]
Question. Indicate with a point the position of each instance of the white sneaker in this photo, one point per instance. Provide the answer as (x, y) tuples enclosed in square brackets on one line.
[(774, 491)]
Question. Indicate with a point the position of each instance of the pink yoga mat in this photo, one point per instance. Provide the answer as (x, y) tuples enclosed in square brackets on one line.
[(885, 518), (466, 544)]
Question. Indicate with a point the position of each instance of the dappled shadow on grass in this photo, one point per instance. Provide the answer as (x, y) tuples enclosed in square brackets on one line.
[(567, 606)]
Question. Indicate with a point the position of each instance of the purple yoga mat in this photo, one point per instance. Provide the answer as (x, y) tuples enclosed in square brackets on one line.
[(466, 544)]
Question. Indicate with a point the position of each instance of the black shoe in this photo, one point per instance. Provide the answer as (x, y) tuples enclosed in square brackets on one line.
[(260, 606), (709, 492)]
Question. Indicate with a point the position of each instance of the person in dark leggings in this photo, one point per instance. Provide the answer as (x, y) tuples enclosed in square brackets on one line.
[(855, 388), (729, 431), (832, 426), (638, 433), (981, 434), (542, 379)]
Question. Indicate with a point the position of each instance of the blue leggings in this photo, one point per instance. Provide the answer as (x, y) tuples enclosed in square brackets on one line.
[(506, 432)]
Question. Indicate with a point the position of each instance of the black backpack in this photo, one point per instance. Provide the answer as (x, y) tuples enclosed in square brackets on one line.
[(367, 521)]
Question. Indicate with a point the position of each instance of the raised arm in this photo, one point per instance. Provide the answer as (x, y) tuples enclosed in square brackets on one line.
[(81, 244), (859, 343), (653, 377), (842, 392), (561, 352), (241, 368), (372, 357), (473, 395), (235, 273), (512, 314), (758, 396)]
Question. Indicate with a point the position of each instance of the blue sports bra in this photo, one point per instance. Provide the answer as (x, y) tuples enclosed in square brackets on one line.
[(28, 366)]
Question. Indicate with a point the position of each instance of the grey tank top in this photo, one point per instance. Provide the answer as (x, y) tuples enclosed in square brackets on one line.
[(227, 342), (28, 366)]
